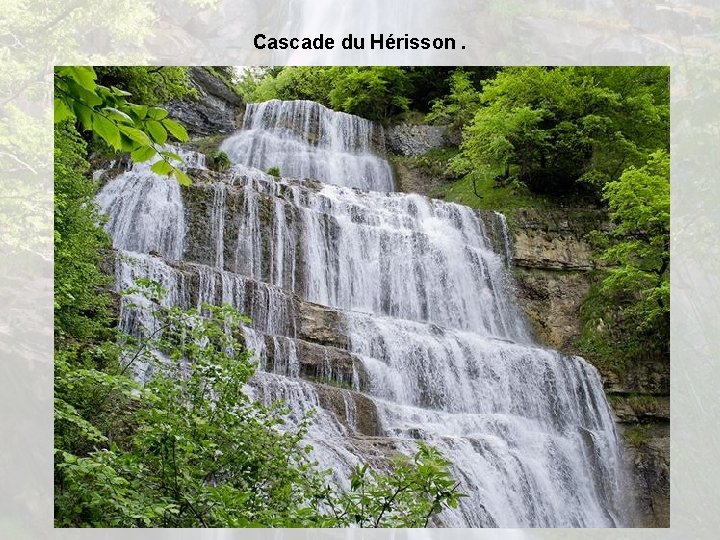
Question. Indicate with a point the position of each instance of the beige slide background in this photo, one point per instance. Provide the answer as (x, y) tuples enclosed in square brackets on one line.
[(37, 34)]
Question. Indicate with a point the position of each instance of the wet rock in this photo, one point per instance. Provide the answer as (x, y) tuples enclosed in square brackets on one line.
[(216, 109), (322, 325), (649, 462), (552, 301), (354, 410), (414, 139)]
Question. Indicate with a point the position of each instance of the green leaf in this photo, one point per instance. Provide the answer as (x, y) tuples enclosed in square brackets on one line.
[(118, 114), (118, 92), (127, 144), (162, 168), (171, 155), (176, 130), (83, 95), (136, 135), (182, 178), (157, 113), (83, 114), (84, 76), (157, 131), (62, 111), (140, 111), (143, 153), (107, 129)]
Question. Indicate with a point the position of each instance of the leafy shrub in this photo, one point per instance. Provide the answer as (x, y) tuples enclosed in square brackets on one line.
[(274, 171), (220, 161)]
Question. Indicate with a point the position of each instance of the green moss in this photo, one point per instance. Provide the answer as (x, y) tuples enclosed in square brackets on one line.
[(219, 161), (609, 340), (637, 434), (643, 404), (274, 171), (492, 195), (208, 145)]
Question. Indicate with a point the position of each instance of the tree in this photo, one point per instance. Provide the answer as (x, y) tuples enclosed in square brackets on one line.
[(149, 85), (458, 107), (138, 129), (375, 93), (639, 205), (566, 130), (628, 314)]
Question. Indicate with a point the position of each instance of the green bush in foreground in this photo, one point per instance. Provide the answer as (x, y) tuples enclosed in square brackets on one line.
[(191, 448)]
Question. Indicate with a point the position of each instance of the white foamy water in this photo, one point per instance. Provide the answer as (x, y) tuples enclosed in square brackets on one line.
[(307, 140)]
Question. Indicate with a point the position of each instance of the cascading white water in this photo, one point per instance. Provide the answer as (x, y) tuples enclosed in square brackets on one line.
[(306, 140), (420, 302)]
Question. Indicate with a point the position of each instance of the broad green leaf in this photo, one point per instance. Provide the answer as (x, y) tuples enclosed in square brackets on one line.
[(143, 153), (171, 155), (157, 113), (121, 116), (127, 144), (182, 178), (140, 111), (107, 129), (157, 131), (176, 130), (62, 111), (82, 94), (84, 76), (136, 135), (118, 92), (162, 168)]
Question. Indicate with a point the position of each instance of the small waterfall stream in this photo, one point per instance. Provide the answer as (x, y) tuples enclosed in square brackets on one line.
[(399, 301)]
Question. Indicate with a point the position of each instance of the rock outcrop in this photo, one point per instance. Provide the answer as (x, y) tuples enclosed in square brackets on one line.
[(413, 139), (216, 109)]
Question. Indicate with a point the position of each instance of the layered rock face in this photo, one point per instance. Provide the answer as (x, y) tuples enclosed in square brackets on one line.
[(215, 109), (390, 314)]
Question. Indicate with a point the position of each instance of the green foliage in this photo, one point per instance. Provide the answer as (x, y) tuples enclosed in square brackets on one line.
[(149, 85), (376, 92), (409, 497), (567, 129), (191, 448), (295, 82), (637, 434), (643, 404), (458, 107), (124, 126), (208, 145), (639, 203), (226, 73), (202, 452), (627, 315), (81, 310), (274, 171), (220, 161), (482, 191)]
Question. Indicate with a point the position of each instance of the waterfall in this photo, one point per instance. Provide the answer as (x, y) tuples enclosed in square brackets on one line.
[(390, 314), (304, 139)]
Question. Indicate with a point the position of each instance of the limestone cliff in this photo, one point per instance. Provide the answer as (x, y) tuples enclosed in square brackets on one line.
[(215, 109)]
